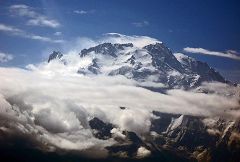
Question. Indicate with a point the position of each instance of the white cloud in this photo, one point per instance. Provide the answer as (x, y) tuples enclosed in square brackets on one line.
[(58, 33), (51, 87), (83, 12), (21, 33), (138, 41), (229, 54), (4, 57), (141, 24), (117, 133), (7, 28), (44, 39), (76, 45), (142, 152), (35, 19), (42, 21)]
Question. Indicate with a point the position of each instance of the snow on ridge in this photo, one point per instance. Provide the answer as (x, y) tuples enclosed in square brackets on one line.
[(181, 57), (137, 41), (177, 122)]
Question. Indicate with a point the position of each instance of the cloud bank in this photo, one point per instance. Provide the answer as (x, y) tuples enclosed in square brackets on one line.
[(56, 106), (229, 54)]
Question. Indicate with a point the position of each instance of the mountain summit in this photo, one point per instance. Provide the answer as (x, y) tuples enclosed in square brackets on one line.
[(150, 63)]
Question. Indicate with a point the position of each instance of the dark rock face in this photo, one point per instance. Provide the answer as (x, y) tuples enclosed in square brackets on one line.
[(192, 136), (201, 68), (55, 55), (189, 132), (130, 145), (162, 57), (161, 124), (105, 49), (228, 147), (94, 68), (178, 138), (103, 130)]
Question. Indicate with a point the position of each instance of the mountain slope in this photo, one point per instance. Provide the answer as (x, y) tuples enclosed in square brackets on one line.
[(172, 137)]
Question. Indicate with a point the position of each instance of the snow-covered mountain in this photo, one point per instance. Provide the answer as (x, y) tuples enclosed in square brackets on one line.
[(151, 63), (172, 137), (128, 100)]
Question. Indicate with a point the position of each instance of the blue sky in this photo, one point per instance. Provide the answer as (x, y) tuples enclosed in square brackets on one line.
[(210, 28)]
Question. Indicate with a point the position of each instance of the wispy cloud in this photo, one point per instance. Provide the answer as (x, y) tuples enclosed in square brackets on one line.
[(57, 33), (4, 57), (35, 19), (9, 29), (77, 44), (83, 12), (141, 24), (21, 33), (229, 53)]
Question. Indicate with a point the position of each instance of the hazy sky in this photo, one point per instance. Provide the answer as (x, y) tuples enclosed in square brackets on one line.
[(204, 29)]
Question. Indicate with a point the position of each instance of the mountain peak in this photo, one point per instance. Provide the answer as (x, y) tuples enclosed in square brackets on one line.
[(163, 57), (106, 49), (54, 55), (153, 63)]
